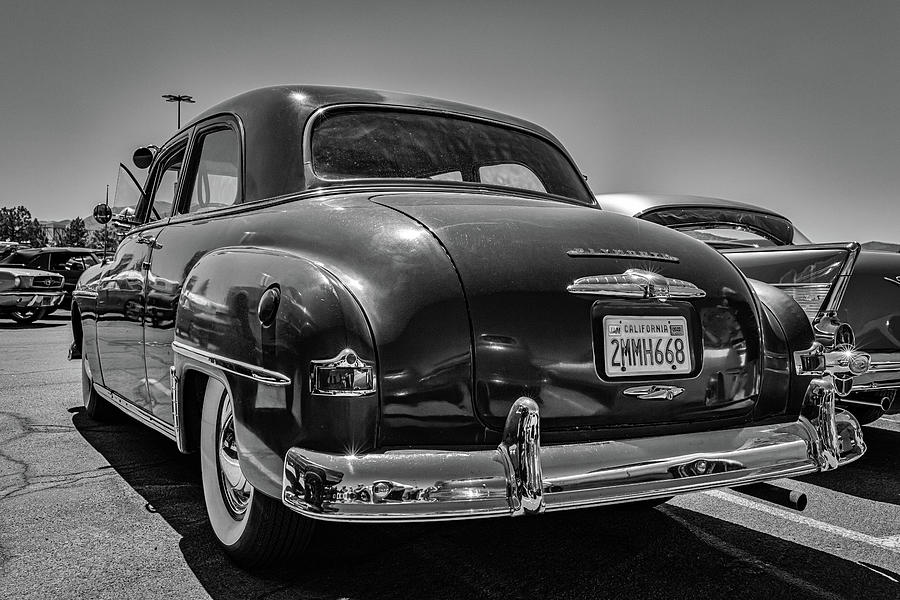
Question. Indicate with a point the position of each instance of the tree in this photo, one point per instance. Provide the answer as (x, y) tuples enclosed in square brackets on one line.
[(17, 225), (35, 236), (75, 233), (104, 238)]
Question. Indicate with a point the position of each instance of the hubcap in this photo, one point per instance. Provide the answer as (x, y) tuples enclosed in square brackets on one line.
[(235, 489)]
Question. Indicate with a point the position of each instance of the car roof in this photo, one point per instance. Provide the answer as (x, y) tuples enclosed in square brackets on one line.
[(637, 204), (53, 249), (303, 100), (274, 119)]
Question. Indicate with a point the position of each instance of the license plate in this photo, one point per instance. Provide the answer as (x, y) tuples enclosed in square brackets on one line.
[(645, 345)]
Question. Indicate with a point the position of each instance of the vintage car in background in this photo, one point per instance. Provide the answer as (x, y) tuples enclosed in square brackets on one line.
[(27, 295), (834, 283), (68, 262), (392, 308)]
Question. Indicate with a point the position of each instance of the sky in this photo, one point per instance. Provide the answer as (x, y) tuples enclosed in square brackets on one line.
[(791, 104)]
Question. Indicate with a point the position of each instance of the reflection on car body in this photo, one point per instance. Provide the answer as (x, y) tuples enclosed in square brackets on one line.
[(65, 261), (378, 317), (27, 295)]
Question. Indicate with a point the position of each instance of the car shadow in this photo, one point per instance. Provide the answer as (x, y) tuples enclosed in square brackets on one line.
[(57, 319), (668, 552), (874, 476), (42, 324)]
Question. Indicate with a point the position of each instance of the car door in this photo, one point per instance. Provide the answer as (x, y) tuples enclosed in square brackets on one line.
[(121, 299), (212, 182)]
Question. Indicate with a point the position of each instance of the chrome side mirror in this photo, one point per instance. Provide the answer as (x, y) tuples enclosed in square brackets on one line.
[(102, 213), (143, 156)]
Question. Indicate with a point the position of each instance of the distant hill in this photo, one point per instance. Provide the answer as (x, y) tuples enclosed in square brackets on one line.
[(881, 246)]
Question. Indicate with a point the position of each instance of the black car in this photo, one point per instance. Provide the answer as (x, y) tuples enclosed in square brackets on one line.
[(68, 262), (367, 306)]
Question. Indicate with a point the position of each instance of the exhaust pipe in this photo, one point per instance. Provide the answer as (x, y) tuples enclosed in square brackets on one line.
[(776, 495), (884, 403)]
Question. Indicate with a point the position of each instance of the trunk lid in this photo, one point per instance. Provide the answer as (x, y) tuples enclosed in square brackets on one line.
[(516, 259)]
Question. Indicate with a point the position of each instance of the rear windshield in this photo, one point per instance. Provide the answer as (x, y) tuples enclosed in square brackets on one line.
[(391, 144), (17, 258), (721, 225)]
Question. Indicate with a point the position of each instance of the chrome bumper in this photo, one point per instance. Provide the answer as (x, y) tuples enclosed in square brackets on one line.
[(521, 477), (24, 300)]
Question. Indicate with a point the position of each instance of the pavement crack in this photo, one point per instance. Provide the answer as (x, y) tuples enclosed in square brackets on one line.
[(47, 428)]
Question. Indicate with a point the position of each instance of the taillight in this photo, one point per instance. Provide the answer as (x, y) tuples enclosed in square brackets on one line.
[(810, 296), (815, 276), (344, 375)]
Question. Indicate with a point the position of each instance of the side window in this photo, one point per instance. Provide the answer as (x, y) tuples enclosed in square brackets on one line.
[(89, 260), (41, 261), (511, 175), (167, 178), (61, 261), (216, 178)]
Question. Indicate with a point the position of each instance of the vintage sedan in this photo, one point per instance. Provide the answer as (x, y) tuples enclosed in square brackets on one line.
[(27, 295), (393, 308), (834, 283)]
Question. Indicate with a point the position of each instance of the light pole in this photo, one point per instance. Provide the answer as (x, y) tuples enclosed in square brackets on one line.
[(179, 98)]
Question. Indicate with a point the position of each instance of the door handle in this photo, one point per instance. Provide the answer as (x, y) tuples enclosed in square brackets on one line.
[(149, 240)]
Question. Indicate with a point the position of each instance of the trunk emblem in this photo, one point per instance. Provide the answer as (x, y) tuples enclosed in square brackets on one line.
[(635, 283), (620, 253), (893, 279), (654, 392)]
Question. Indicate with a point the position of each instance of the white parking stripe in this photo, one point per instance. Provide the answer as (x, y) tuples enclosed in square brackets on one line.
[(726, 548), (891, 543)]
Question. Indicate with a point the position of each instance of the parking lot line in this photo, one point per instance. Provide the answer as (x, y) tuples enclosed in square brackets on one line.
[(891, 543), (746, 557)]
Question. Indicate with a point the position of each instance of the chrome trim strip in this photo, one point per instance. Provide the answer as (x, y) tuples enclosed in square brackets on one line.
[(235, 367), (148, 419), (620, 253), (521, 477), (840, 286), (175, 388), (635, 283)]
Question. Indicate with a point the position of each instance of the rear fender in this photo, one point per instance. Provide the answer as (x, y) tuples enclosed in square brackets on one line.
[(265, 362), (785, 329)]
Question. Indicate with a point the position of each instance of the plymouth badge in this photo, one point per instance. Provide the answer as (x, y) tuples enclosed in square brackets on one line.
[(620, 253)]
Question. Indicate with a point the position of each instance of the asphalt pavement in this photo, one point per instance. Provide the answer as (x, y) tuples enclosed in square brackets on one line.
[(112, 510)]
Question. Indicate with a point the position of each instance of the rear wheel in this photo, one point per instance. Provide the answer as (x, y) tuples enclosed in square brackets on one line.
[(27, 316), (258, 532)]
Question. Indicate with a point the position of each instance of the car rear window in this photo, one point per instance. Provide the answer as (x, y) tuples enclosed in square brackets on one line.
[(17, 258), (745, 228), (395, 144)]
